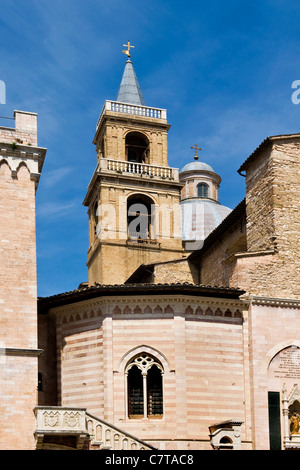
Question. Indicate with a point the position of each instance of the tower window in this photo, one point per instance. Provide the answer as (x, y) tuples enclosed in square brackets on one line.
[(145, 388), (139, 217), (137, 147), (202, 190)]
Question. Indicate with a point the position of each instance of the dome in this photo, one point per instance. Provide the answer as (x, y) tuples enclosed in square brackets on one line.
[(196, 166), (200, 217)]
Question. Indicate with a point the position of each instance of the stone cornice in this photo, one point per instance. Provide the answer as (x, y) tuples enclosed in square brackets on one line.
[(248, 254), (142, 307), (273, 301), (31, 156)]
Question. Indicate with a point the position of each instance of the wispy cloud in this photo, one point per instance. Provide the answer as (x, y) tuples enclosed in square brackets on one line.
[(55, 210), (54, 177)]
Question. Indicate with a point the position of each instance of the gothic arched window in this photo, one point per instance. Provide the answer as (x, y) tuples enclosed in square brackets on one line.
[(202, 190), (144, 387)]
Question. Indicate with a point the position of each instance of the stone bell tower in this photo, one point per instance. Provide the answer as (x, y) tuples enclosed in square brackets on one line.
[(133, 197)]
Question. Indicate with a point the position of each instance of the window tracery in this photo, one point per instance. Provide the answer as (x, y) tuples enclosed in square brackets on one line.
[(144, 387)]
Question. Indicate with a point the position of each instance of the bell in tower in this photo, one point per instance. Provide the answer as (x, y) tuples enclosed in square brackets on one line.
[(134, 195)]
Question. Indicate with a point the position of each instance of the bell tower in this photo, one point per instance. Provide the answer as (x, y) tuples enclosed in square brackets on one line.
[(133, 197)]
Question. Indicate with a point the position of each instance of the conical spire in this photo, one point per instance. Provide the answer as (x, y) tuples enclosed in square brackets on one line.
[(130, 91)]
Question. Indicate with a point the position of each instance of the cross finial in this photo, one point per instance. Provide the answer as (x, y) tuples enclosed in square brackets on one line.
[(196, 148), (129, 46)]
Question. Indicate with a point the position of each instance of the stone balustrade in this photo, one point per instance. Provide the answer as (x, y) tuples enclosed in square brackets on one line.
[(136, 110), (105, 436), (134, 168), (60, 427)]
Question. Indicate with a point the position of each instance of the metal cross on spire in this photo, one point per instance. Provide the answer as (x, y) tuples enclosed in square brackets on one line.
[(127, 52), (196, 148)]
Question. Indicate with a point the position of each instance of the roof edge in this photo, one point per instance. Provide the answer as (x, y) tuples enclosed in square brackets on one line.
[(216, 234), (265, 143), (98, 290)]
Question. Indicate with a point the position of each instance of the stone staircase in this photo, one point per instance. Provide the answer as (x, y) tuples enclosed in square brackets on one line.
[(74, 428)]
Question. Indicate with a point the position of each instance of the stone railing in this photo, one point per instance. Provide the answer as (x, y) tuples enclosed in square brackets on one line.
[(134, 168), (106, 436), (75, 428), (136, 110)]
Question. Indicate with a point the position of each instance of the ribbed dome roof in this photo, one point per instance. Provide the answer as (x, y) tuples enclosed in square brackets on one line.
[(196, 166)]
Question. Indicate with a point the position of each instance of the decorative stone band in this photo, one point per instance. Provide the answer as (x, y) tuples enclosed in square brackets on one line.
[(33, 158), (206, 310), (273, 301)]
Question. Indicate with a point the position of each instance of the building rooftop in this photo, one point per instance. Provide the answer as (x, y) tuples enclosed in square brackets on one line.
[(199, 217), (98, 290), (196, 166)]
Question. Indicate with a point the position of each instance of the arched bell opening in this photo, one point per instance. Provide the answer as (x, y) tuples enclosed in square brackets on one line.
[(140, 217), (137, 148)]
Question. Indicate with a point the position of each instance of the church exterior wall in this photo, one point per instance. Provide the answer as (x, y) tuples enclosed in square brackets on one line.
[(213, 265), (180, 271), (203, 354), (261, 250), (267, 340), (220, 359), (273, 223)]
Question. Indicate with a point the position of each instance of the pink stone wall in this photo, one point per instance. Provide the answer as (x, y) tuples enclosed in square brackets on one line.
[(271, 329), (204, 374), (18, 308)]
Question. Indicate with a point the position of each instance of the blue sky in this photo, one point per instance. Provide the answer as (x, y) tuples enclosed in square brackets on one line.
[(223, 70)]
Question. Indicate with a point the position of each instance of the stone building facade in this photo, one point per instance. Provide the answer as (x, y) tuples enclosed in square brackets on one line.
[(162, 348)]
